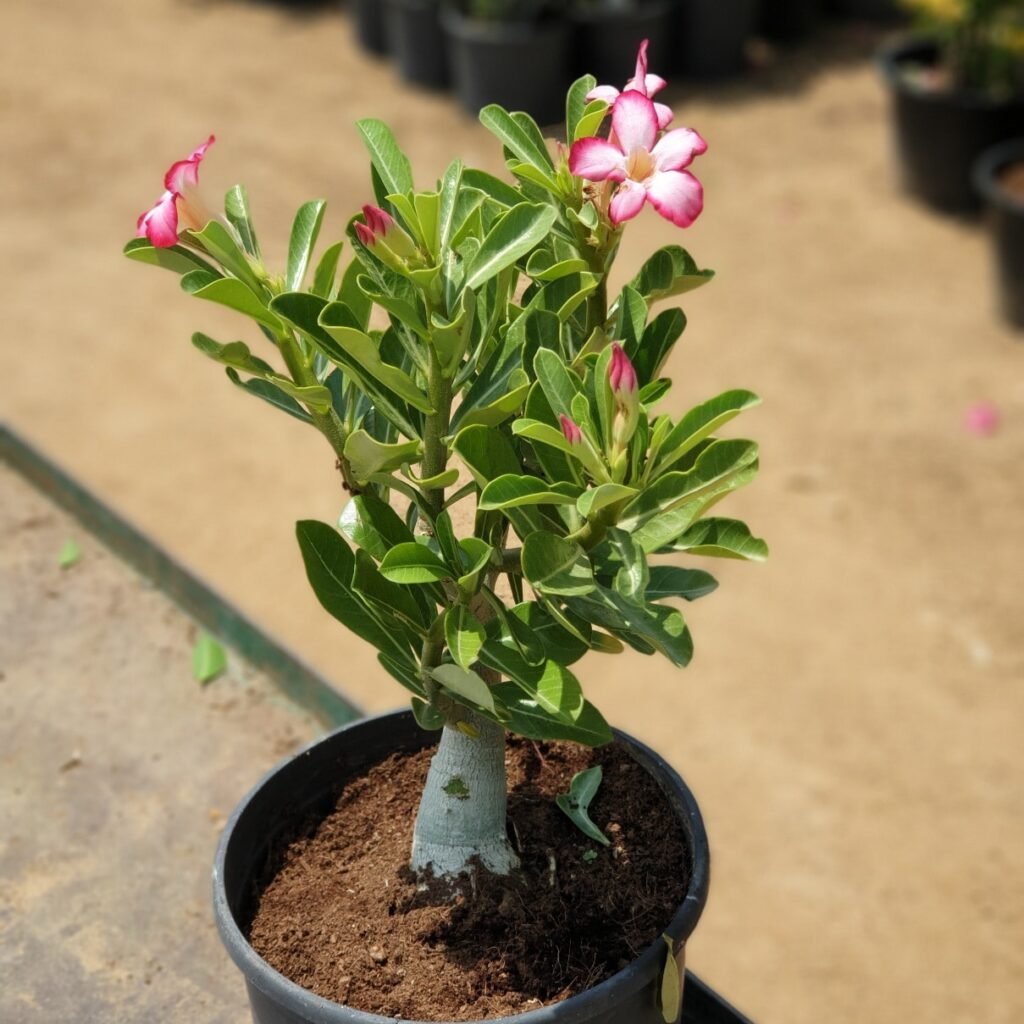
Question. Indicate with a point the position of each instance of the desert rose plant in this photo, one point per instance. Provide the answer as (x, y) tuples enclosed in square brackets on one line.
[(468, 364)]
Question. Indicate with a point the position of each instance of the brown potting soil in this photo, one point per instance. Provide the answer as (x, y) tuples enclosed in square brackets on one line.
[(344, 917), (1011, 181)]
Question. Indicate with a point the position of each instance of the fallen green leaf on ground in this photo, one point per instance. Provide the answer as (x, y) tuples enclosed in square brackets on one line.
[(69, 554), (208, 659)]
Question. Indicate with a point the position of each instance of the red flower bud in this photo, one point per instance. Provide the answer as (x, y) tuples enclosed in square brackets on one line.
[(572, 432), (621, 374)]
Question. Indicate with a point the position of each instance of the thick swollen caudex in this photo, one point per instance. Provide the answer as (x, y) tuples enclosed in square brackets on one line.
[(462, 813)]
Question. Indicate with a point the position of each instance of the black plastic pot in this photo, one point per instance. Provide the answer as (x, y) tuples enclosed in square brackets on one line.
[(939, 134), (789, 20), (368, 18), (416, 41), (605, 41), (308, 785), (711, 37), (1006, 219), (866, 10), (521, 65)]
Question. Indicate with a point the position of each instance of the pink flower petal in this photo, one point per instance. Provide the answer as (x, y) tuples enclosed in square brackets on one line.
[(640, 74), (982, 419), (677, 195), (634, 122), (597, 160), (608, 93), (627, 202), (654, 83), (665, 115), (160, 223), (677, 149), (365, 234), (185, 173)]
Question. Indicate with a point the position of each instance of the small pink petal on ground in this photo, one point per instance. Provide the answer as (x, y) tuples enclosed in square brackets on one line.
[(982, 419)]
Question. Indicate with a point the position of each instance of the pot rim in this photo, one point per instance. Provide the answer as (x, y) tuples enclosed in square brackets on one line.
[(987, 167), (893, 55), (574, 1010)]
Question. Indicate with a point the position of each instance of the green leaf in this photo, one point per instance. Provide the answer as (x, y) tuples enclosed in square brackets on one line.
[(450, 191), (576, 103), (554, 565), (591, 121), (494, 188), (556, 643), (465, 683), (631, 318), (270, 393), (671, 995), (236, 209), (721, 538), (633, 576), (363, 351), (487, 454), (413, 563), (558, 384), (672, 581), (541, 266), (175, 258), (70, 553), (700, 423), (326, 273), (305, 230), (516, 136), (593, 500), (464, 634), (513, 235), (670, 271), (218, 242), (330, 567), (500, 409), (235, 353), (389, 598), (555, 689), (576, 803), (230, 292), (353, 296), (367, 455), (388, 160), (208, 659), (525, 717), (513, 491), (427, 716), (476, 556), (659, 338), (374, 525), (534, 430)]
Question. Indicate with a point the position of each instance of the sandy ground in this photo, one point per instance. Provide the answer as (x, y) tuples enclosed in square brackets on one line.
[(116, 775), (852, 720)]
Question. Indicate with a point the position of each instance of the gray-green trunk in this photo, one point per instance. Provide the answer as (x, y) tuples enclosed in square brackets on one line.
[(462, 812)]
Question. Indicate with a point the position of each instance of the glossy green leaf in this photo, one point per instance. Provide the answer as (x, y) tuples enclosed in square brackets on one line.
[(542, 267), (230, 292), (525, 717), (593, 500), (487, 454), (514, 135), (234, 353), (593, 117), (558, 384), (271, 394), (556, 643), (721, 538), (671, 992), (659, 338), (494, 188), (633, 576), (576, 803), (464, 683), (305, 231), (700, 423), (236, 209), (670, 271), (513, 235), (374, 525), (464, 634), (555, 689), (325, 277), (413, 563), (69, 554), (534, 430), (513, 491), (631, 318), (554, 565), (427, 716), (175, 258), (216, 240), (390, 163), (389, 598), (673, 581), (330, 567), (367, 456), (315, 397)]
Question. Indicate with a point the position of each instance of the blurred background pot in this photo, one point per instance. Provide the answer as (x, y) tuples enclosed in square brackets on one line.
[(521, 64), (368, 18), (606, 37), (789, 20), (940, 131), (306, 787), (711, 36), (999, 180), (416, 41), (866, 10)]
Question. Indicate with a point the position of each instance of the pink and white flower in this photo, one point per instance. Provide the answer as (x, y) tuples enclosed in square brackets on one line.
[(642, 82), (180, 207), (646, 168)]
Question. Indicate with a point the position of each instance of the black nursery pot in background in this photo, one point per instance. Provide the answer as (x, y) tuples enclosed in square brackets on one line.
[(522, 65), (710, 37), (789, 20), (368, 18), (1005, 213), (306, 788), (416, 41), (866, 10), (940, 132), (605, 41)]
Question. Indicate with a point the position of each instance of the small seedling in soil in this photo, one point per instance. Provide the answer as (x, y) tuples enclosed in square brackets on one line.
[(69, 554), (576, 803), (208, 659)]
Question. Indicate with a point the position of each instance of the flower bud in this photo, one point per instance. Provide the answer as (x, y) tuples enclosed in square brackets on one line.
[(572, 432), (380, 232), (625, 390)]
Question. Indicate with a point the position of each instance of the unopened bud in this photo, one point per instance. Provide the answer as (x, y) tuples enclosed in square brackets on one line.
[(625, 390), (572, 432)]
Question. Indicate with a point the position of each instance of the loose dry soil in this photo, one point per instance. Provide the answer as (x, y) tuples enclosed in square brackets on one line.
[(852, 721)]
